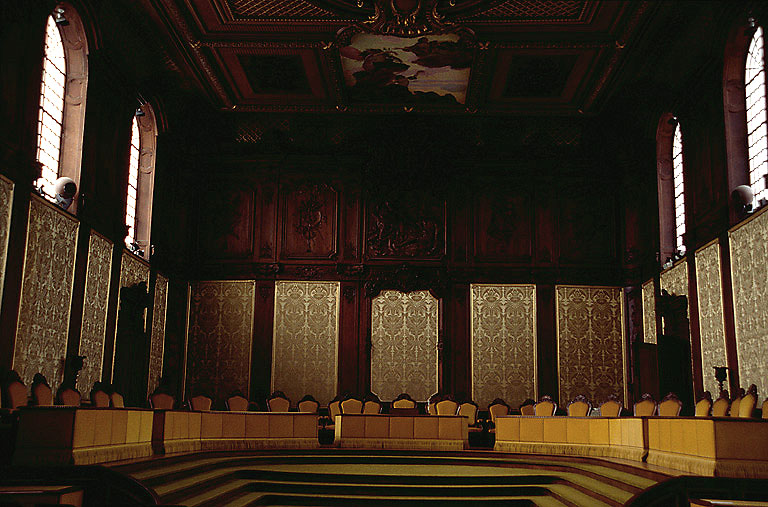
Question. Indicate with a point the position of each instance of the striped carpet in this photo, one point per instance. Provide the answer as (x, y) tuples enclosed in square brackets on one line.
[(336, 477)]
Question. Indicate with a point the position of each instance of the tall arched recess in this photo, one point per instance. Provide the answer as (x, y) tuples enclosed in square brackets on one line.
[(60, 149), (669, 176), (744, 105)]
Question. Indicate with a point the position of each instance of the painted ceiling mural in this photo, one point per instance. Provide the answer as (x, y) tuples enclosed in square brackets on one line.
[(432, 69)]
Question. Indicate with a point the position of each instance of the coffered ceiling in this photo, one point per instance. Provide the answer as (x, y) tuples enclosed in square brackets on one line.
[(462, 57)]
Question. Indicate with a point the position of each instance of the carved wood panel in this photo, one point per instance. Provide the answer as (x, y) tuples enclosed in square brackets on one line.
[(405, 229), (587, 227), (503, 228), (309, 218), (225, 224)]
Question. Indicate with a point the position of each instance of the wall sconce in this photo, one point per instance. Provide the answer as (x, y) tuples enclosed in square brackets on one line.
[(59, 18)]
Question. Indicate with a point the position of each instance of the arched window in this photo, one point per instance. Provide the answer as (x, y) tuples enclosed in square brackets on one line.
[(61, 114), (671, 187), (141, 181), (757, 141)]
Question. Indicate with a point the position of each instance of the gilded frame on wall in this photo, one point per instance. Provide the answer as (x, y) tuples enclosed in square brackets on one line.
[(558, 332)]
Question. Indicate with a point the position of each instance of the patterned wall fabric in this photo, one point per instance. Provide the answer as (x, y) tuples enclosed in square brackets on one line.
[(649, 312), (132, 271), (711, 322), (95, 302), (46, 293), (590, 343), (6, 204), (749, 277), (219, 337), (675, 281), (306, 340), (503, 343), (404, 334), (157, 336)]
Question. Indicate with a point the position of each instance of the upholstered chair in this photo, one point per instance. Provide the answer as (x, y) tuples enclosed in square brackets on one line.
[(161, 401), (645, 407), (432, 402), (308, 404), (278, 402), (528, 407), (446, 406), (200, 403), (497, 408), (351, 406), (334, 409), (611, 407), (16, 395), (765, 408), (117, 400), (468, 409), (69, 397), (669, 406), (748, 402), (704, 406), (545, 407), (579, 407), (99, 399), (237, 403), (721, 405), (403, 400), (735, 406), (371, 404), (42, 396)]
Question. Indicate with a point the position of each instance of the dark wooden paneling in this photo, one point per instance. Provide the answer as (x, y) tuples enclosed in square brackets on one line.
[(546, 344), (309, 218), (267, 221), (587, 224), (349, 339), (503, 227), (405, 229), (261, 352), (458, 359), (226, 222)]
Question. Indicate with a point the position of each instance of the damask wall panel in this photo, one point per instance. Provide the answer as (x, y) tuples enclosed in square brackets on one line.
[(503, 343), (404, 334), (675, 280), (749, 278), (219, 337), (95, 302), (6, 204), (133, 271), (157, 336), (649, 312), (46, 293), (590, 343), (305, 347), (309, 221), (711, 322)]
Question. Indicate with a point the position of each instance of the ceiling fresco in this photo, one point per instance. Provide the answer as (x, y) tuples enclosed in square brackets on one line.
[(389, 56)]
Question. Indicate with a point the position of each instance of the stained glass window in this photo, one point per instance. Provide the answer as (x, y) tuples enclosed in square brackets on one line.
[(679, 185)]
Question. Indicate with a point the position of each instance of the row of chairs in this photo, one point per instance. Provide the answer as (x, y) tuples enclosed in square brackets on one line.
[(14, 393), (742, 405)]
